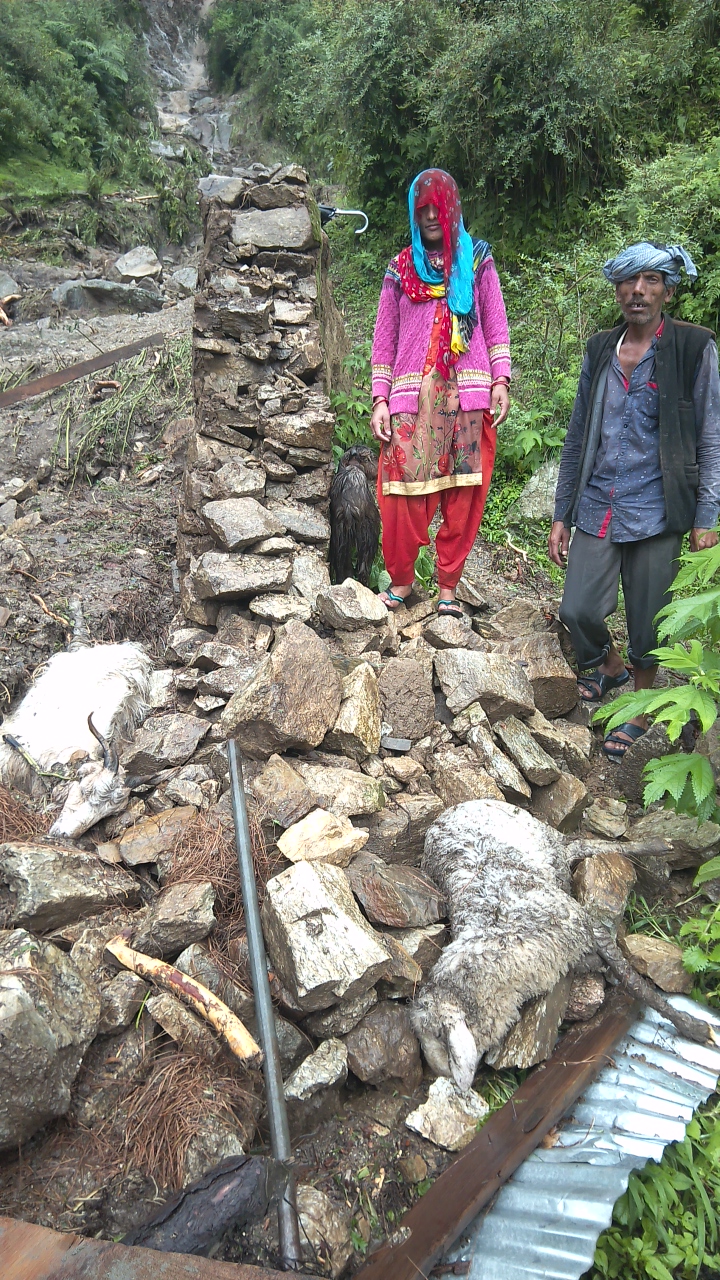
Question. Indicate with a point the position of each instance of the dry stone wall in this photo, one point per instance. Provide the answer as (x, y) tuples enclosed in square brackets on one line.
[(253, 526)]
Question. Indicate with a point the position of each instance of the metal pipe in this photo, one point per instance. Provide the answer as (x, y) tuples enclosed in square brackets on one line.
[(289, 1232)]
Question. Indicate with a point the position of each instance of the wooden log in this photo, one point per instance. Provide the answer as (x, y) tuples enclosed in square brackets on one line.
[(192, 993)]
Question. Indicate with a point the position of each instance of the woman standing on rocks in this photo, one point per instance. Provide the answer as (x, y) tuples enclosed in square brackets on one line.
[(440, 379)]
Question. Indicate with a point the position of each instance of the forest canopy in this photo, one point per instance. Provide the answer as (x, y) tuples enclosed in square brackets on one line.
[(541, 109)]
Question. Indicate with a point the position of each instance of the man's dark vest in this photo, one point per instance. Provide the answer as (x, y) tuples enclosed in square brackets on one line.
[(677, 354)]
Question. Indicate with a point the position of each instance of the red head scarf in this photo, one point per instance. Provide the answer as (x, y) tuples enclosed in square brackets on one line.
[(434, 186)]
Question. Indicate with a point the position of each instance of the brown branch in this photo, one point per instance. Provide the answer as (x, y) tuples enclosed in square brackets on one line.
[(192, 993), (56, 617)]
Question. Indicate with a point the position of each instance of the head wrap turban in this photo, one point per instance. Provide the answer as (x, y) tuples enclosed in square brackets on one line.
[(670, 259), (461, 255)]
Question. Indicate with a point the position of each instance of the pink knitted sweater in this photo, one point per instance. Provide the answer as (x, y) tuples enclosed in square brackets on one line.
[(402, 338)]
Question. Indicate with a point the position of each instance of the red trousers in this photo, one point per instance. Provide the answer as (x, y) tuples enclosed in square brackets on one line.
[(406, 520)]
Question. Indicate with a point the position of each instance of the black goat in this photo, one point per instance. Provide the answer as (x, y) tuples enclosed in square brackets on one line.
[(354, 515)]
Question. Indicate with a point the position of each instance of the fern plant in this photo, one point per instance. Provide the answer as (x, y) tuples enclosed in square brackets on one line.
[(692, 622)]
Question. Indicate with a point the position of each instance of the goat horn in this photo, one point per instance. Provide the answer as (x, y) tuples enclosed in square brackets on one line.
[(110, 755)]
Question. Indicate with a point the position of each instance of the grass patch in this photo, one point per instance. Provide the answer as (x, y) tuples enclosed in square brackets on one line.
[(30, 176)]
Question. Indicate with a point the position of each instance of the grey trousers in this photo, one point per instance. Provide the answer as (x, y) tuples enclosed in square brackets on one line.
[(594, 569)]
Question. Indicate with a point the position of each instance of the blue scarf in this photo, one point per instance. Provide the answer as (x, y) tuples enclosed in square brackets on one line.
[(468, 255)]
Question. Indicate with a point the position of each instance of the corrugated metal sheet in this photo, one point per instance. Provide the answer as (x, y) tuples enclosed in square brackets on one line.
[(546, 1220)]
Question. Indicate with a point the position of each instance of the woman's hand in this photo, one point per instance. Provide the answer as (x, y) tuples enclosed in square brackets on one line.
[(380, 422), (500, 401)]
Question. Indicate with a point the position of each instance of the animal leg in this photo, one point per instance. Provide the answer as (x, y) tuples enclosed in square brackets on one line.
[(647, 992), (367, 539)]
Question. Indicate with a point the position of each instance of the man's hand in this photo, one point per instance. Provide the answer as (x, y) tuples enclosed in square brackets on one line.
[(500, 400), (558, 543), (701, 539), (380, 422)]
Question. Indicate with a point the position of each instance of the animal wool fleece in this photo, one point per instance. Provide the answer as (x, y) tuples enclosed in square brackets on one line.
[(108, 681), (516, 929)]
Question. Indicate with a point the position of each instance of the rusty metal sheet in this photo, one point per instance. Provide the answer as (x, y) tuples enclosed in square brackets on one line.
[(29, 1252), (50, 381)]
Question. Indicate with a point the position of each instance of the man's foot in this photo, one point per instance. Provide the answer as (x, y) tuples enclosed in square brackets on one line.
[(393, 597), (593, 685), (621, 739)]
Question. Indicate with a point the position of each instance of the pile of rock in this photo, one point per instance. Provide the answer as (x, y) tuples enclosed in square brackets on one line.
[(268, 344), (136, 283)]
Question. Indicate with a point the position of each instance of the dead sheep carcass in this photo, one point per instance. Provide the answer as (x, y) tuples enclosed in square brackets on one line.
[(516, 931), (85, 699)]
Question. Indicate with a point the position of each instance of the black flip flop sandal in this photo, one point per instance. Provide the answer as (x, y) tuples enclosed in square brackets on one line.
[(633, 731), (449, 609), (393, 601), (602, 682)]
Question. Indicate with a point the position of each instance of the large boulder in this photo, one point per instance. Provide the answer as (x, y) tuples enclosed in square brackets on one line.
[(396, 896), (602, 883), (292, 700), (659, 960), (344, 792), (496, 682), (180, 915), (509, 779), (407, 698), (532, 761), (459, 776), (138, 264), (222, 575), (383, 1046), (48, 1016), (554, 683), (322, 837), (281, 794), (321, 947), (155, 834), (562, 803), (164, 742), (300, 521), (310, 576), (324, 1230), (349, 606), (692, 842), (239, 522), (537, 500), (356, 732), (274, 229), (44, 886)]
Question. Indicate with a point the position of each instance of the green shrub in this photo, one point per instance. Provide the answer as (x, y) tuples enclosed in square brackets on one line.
[(73, 80)]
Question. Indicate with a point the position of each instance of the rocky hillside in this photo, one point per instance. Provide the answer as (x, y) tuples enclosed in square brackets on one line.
[(183, 496)]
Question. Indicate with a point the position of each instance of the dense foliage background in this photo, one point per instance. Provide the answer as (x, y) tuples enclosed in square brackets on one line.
[(73, 80), (571, 126)]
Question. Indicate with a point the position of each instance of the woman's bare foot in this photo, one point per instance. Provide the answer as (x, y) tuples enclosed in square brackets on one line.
[(447, 604), (394, 596)]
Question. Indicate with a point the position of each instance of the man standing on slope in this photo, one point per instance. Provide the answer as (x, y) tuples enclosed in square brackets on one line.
[(640, 467)]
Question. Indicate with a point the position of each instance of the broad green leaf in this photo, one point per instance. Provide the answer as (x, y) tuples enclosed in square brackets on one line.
[(695, 960), (708, 871)]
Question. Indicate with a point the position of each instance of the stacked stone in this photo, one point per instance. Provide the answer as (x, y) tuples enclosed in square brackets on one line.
[(252, 523)]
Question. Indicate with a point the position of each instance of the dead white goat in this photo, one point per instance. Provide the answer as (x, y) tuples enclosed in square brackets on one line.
[(84, 699), (516, 931)]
